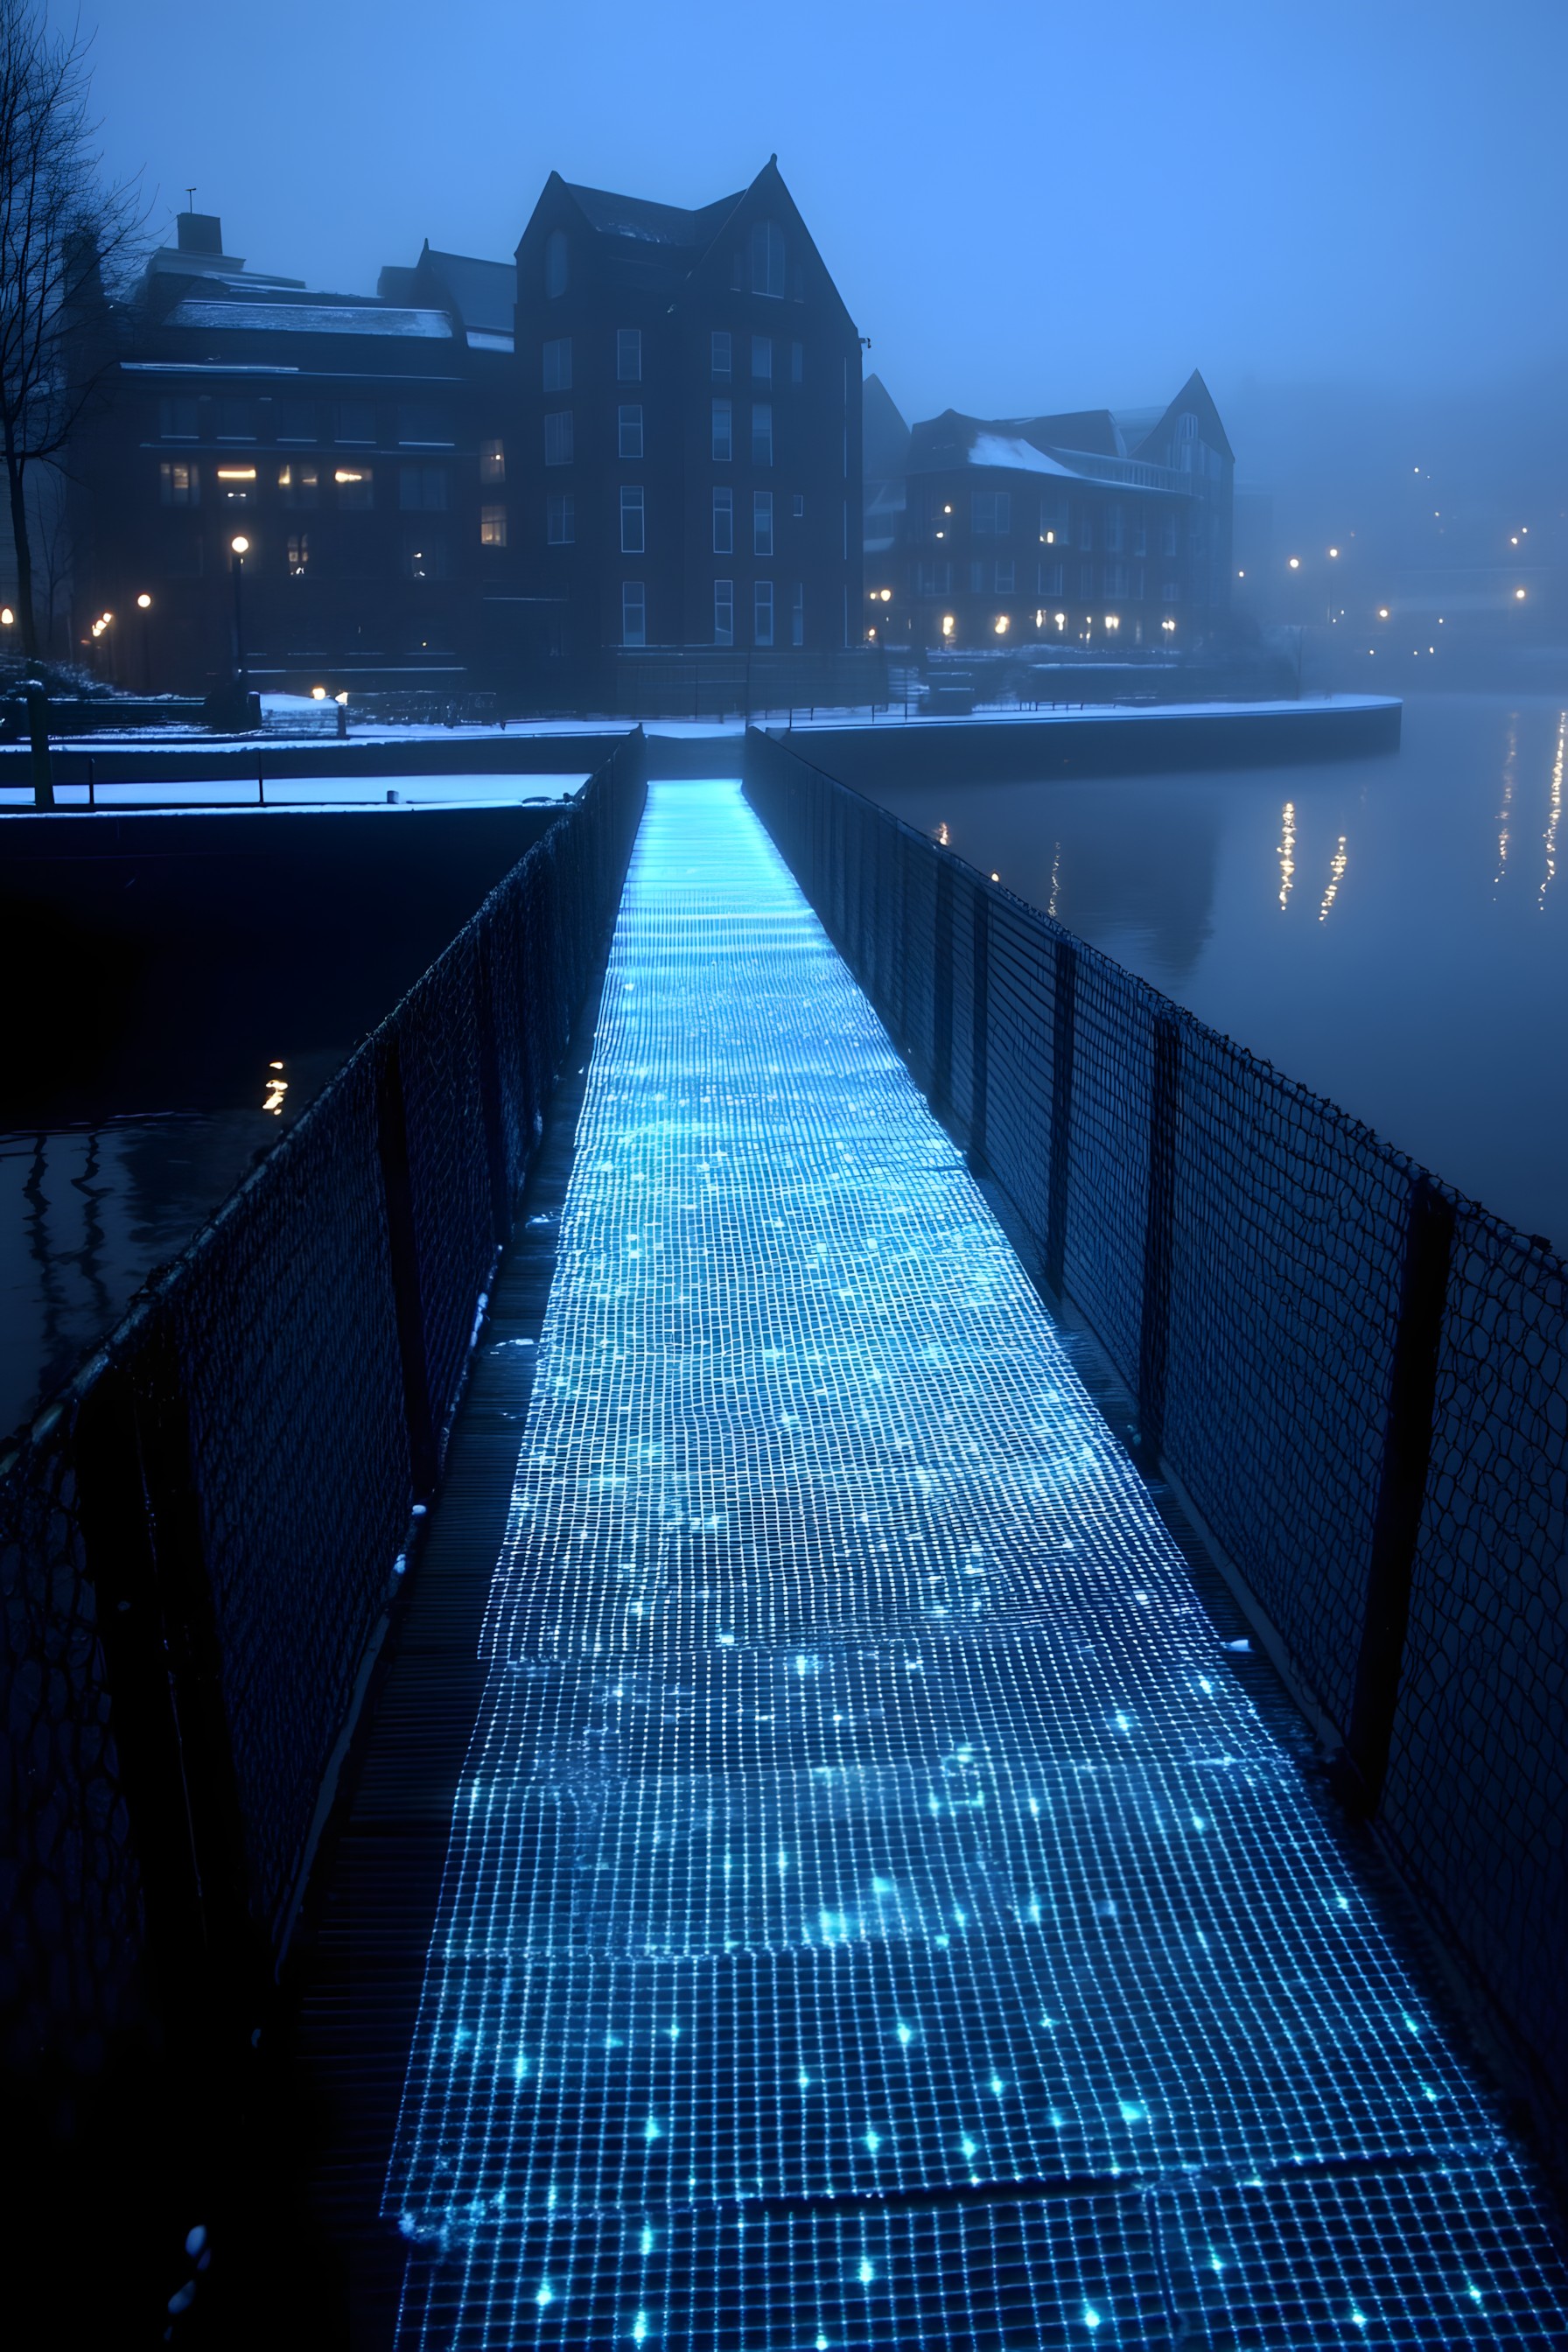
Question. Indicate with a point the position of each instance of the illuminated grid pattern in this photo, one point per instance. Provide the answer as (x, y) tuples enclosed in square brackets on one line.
[(873, 1911)]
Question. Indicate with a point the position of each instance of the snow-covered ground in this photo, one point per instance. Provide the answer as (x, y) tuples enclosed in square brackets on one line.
[(322, 793)]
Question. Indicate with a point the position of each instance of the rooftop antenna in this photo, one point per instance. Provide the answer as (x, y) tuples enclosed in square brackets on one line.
[(192, 205)]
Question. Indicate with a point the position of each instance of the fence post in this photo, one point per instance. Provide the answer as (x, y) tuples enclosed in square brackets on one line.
[(1064, 1032), (391, 1144), (942, 992), (1402, 1487), (980, 1032), (1154, 1332)]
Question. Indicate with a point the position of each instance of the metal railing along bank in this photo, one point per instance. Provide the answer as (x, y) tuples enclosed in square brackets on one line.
[(199, 1535), (1357, 1378)]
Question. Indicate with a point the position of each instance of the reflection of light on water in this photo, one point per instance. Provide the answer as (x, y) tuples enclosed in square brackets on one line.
[(277, 1088), (1509, 757), (1056, 880), (1555, 818), (1288, 852), (1337, 865)]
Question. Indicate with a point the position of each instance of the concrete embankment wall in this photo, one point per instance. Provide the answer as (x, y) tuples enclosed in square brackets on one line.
[(199, 1535), (160, 763), (1358, 1377)]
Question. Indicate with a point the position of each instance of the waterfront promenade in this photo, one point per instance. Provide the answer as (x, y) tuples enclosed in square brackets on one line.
[(875, 1912)]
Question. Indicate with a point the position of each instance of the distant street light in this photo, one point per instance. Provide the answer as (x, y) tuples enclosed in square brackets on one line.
[(1518, 595), (1295, 564), (7, 618), (239, 548), (144, 606)]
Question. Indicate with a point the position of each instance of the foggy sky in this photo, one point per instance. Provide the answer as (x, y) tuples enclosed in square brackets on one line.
[(1026, 208)]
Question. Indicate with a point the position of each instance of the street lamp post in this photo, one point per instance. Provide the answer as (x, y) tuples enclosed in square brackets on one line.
[(239, 548), (144, 606)]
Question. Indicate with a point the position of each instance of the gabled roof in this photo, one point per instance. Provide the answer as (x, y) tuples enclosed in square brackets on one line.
[(484, 291), (636, 220)]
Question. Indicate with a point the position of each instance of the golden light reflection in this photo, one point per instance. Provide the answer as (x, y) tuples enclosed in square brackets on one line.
[(1287, 853), (277, 1088), (1555, 818), (1337, 865), (1511, 758)]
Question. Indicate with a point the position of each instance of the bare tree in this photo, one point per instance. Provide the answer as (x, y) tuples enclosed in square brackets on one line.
[(64, 238)]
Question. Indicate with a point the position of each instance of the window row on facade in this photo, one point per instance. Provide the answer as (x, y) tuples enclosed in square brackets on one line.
[(760, 266), (1006, 577), (766, 619), (727, 352), (560, 433), (310, 423), (996, 514)]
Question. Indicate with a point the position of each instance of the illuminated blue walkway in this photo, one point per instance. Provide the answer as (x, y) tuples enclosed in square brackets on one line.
[(874, 1914)]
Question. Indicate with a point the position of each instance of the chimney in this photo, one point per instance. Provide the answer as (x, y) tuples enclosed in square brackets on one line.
[(200, 233)]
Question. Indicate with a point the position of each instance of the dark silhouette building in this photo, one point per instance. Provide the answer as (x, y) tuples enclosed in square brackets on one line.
[(1107, 529), (645, 434), (688, 425)]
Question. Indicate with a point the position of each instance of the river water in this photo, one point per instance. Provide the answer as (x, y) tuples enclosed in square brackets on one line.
[(1392, 931)]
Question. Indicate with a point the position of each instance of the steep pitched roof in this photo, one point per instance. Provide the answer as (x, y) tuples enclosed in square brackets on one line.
[(639, 222), (484, 291)]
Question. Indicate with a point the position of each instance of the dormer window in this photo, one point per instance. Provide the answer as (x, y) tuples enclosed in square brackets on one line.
[(768, 260), (556, 264)]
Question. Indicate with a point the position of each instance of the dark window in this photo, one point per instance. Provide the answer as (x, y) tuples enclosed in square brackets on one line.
[(1140, 535), (634, 613), (723, 442), (297, 420), (356, 420), (762, 359), (558, 363), (557, 263), (424, 556), (763, 612), (720, 354), (558, 438), (1168, 536), (768, 267), (1086, 529), (629, 422), (799, 505), (424, 425), (798, 610), (560, 520), (761, 522), (628, 354), (723, 521), (1054, 521), (724, 612), (796, 362), (492, 461), (761, 432), (235, 420), (989, 514), (633, 519), (1005, 575), (177, 420), (422, 488), (1115, 529)]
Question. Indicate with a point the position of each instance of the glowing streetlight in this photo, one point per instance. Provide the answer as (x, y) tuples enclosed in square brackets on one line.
[(318, 694), (947, 624), (239, 547), (1168, 627), (7, 618), (1383, 612), (1001, 625), (1518, 595), (144, 606), (1333, 550), (143, 602), (1295, 564)]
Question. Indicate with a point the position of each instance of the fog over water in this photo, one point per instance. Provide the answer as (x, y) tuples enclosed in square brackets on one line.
[(1393, 931)]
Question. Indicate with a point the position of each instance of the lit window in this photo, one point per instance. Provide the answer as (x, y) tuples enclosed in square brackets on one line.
[(558, 364), (557, 265), (297, 420), (768, 262), (723, 521), (630, 426), (633, 519), (1054, 521), (299, 481), (492, 526), (989, 514), (492, 461), (560, 520), (356, 420), (720, 347), (799, 505), (634, 613), (761, 432), (356, 487), (761, 522), (298, 554), (763, 614), (422, 488), (797, 611), (723, 440), (179, 483), (796, 362), (177, 420), (628, 354), (235, 420), (724, 612), (558, 438), (237, 485), (762, 358)]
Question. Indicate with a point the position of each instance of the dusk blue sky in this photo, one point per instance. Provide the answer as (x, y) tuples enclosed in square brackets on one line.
[(1027, 207)]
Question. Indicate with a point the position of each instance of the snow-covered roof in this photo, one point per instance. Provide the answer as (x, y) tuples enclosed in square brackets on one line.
[(650, 223), (480, 341), (1020, 457), (484, 291), (310, 318)]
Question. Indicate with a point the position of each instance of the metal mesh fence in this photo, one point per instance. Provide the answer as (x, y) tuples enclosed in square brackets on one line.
[(1357, 1378), (198, 1537)]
